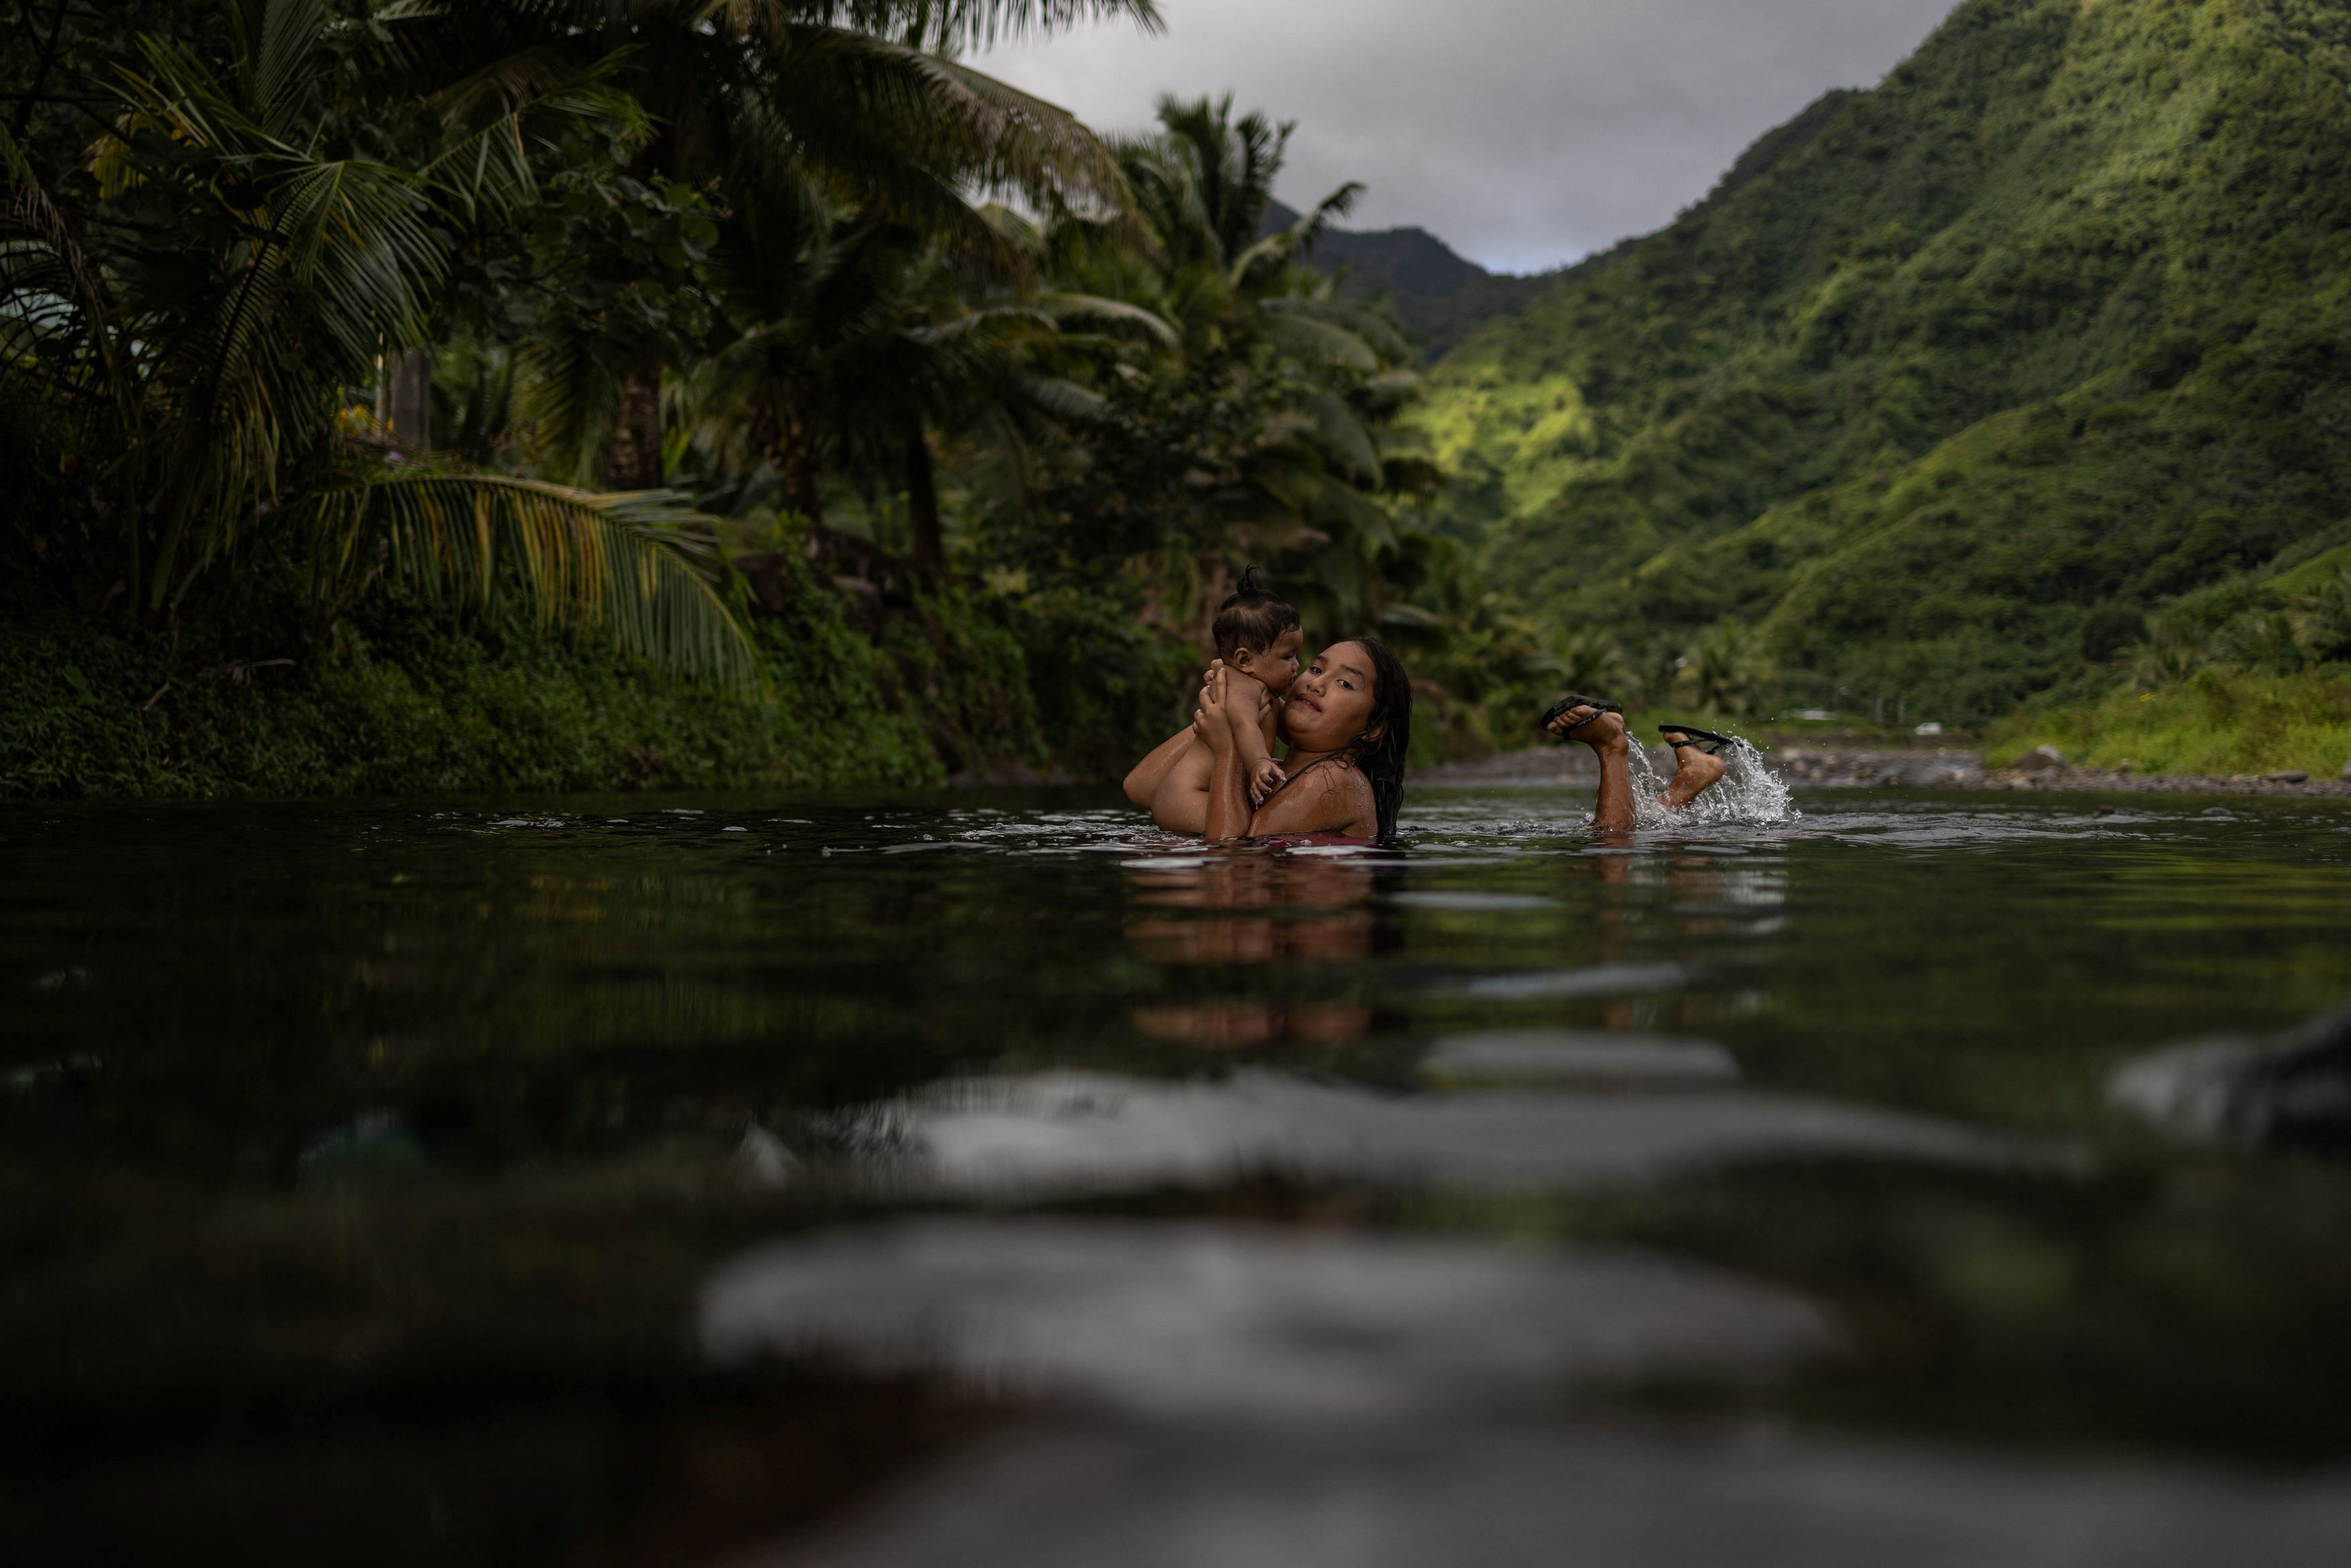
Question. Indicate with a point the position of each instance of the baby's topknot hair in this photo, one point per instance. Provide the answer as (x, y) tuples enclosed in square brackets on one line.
[(1253, 617)]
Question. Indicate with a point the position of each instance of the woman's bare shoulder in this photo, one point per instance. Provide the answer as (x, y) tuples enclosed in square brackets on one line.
[(1328, 798)]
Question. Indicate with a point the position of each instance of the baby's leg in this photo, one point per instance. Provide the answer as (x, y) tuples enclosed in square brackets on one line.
[(1182, 804)]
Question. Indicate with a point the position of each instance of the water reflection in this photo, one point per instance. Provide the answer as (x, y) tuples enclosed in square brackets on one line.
[(1247, 908), (378, 1122)]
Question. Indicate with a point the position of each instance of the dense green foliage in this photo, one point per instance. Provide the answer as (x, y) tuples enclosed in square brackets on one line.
[(1962, 388), (400, 700), (663, 282)]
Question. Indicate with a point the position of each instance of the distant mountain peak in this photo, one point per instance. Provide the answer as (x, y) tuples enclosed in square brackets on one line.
[(1439, 294)]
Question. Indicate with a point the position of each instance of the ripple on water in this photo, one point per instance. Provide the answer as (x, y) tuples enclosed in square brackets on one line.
[(1060, 1135), (1216, 1319), (1579, 1054), (1591, 980)]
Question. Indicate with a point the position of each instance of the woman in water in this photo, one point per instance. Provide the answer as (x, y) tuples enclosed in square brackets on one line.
[(1349, 723)]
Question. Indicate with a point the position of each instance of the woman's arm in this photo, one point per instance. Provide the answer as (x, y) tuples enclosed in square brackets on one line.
[(1229, 801), (1331, 797), (1143, 783)]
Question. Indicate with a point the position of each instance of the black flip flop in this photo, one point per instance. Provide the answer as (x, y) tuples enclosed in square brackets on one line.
[(1569, 704), (1706, 741)]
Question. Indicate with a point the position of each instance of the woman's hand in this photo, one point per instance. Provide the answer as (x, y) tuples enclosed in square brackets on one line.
[(1215, 716)]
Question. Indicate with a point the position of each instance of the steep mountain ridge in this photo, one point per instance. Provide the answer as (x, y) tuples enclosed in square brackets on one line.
[(2048, 329), (1439, 294)]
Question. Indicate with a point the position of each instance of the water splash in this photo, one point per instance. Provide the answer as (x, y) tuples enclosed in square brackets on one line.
[(1749, 794)]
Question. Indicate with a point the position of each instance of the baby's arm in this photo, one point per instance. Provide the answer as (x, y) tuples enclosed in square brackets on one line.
[(1253, 740)]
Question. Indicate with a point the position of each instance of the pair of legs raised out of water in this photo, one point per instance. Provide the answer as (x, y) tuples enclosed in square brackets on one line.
[(1695, 769)]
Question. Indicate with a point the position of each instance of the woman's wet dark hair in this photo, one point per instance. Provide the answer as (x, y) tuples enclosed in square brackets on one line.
[(1254, 618), (1380, 750)]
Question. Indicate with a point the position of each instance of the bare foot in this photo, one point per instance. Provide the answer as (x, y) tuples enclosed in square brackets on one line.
[(1593, 728), (1696, 771)]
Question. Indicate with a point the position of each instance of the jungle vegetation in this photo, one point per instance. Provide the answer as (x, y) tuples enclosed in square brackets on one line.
[(2022, 378), (658, 391)]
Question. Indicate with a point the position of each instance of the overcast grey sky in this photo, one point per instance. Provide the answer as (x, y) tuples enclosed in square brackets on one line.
[(1523, 132)]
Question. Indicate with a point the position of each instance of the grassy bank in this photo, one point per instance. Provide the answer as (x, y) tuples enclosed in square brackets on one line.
[(400, 700), (2219, 721)]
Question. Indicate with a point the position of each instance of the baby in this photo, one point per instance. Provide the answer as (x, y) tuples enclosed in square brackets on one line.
[(1258, 638)]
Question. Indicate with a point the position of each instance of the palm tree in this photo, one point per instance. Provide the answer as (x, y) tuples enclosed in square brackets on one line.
[(801, 111), (859, 338), (1589, 659), (2271, 643), (1728, 669), (2173, 651), (2323, 618), (1284, 394), (243, 280)]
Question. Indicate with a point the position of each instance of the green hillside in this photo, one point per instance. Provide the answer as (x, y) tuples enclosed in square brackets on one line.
[(1951, 384)]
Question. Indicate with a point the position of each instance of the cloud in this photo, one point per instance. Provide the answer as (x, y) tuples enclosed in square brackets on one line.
[(1525, 132)]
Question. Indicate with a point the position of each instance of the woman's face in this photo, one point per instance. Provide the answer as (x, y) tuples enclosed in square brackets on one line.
[(1331, 702)]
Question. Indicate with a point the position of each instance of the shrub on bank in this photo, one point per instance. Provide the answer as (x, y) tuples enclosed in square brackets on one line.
[(2216, 722), (399, 701)]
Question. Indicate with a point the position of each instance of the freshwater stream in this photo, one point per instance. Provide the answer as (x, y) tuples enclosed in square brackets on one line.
[(990, 1179)]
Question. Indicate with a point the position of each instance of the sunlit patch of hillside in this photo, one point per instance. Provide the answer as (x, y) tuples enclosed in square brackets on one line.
[(2047, 335)]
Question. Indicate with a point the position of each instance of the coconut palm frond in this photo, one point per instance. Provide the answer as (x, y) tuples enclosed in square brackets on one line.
[(1343, 435), (1304, 337), (1061, 398), (515, 108), (1266, 259), (567, 394), (49, 290), (983, 24), (1107, 312), (629, 567), (1365, 324)]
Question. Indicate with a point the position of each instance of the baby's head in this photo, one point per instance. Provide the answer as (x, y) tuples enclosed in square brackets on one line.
[(1258, 635)]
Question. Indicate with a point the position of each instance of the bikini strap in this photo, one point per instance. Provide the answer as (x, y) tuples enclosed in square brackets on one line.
[(1347, 756)]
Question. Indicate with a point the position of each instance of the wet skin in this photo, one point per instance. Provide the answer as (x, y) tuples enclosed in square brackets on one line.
[(1695, 772)]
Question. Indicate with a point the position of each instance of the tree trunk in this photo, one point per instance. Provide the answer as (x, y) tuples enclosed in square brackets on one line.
[(634, 462), (408, 419), (793, 448), (923, 508)]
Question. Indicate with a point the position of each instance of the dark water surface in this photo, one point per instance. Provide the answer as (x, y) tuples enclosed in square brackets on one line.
[(988, 1178)]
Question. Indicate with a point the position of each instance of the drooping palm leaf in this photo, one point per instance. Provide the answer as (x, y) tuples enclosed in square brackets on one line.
[(629, 567), (1307, 338), (1347, 317)]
